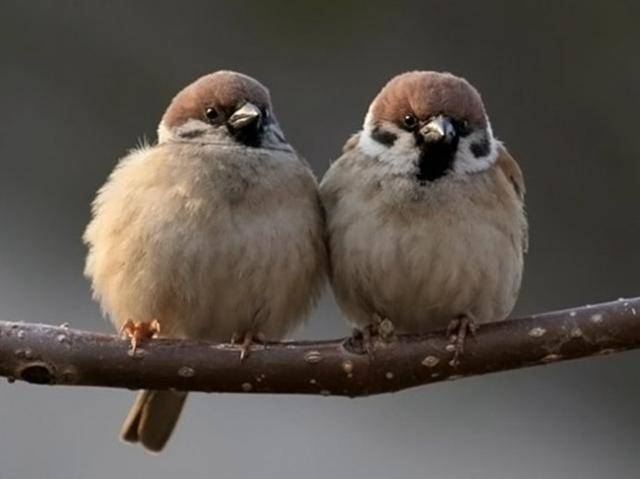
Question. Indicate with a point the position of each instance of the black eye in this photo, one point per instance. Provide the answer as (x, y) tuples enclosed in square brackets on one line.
[(211, 114), (410, 121), (463, 128)]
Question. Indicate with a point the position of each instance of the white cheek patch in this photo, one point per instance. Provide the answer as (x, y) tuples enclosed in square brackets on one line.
[(196, 130), (399, 158), (466, 160), (369, 146), (189, 129)]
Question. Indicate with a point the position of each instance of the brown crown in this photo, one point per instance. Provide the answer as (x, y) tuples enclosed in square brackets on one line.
[(224, 90), (425, 94)]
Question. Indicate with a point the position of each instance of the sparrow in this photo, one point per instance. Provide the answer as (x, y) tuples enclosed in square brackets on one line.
[(215, 232), (425, 213)]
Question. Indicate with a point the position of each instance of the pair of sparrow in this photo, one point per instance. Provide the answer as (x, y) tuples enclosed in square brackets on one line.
[(220, 230)]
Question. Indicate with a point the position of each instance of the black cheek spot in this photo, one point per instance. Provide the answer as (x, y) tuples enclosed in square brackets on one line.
[(192, 133), (383, 136), (481, 148)]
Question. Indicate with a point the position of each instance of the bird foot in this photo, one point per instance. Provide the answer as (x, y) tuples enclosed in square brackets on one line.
[(138, 331), (458, 331), (245, 340), (380, 330)]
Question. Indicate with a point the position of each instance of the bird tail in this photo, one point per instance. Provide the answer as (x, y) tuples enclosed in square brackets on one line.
[(152, 418)]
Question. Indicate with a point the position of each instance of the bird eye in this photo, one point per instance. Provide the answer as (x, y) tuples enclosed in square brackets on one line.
[(463, 128), (410, 121), (211, 114)]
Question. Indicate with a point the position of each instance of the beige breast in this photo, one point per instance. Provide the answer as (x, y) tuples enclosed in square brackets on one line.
[(420, 257), (208, 240)]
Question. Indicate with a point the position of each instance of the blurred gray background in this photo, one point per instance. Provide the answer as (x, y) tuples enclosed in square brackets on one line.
[(82, 81)]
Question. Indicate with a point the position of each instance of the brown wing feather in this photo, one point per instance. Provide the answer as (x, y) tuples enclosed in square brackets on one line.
[(351, 143), (512, 171)]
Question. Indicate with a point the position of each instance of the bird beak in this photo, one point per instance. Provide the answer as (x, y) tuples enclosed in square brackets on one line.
[(439, 128), (245, 115)]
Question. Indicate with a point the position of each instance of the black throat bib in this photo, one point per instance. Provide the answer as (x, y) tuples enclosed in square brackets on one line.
[(436, 160), (250, 135)]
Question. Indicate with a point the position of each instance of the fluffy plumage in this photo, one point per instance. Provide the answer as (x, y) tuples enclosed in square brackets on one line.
[(208, 236), (422, 253)]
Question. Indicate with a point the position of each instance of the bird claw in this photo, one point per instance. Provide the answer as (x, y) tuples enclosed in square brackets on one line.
[(379, 330), (245, 341), (138, 331), (458, 330), (368, 339)]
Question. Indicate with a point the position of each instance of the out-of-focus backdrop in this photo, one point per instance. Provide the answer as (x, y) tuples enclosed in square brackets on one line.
[(82, 81)]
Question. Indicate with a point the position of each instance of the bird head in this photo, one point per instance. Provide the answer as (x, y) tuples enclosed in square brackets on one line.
[(225, 107), (431, 125)]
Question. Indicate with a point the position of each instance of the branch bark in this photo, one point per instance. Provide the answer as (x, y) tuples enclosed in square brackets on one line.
[(58, 355)]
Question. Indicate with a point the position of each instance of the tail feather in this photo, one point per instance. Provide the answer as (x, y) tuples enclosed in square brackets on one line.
[(152, 418)]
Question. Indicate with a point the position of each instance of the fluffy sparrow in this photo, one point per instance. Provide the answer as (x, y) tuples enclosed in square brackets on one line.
[(214, 232), (425, 212)]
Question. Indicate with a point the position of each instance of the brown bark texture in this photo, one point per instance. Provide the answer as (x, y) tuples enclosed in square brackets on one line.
[(58, 355)]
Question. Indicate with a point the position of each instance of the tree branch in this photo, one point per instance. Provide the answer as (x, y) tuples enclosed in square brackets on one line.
[(59, 355)]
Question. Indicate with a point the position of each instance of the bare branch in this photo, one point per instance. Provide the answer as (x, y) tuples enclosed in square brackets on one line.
[(59, 355)]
